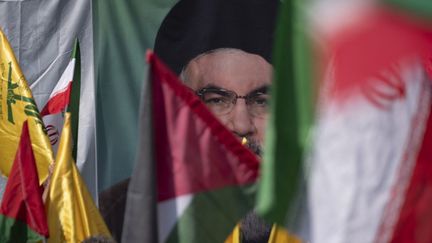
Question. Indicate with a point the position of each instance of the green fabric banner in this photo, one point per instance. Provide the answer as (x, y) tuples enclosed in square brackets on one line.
[(123, 31)]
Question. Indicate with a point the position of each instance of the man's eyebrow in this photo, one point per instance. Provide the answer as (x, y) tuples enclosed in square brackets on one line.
[(263, 89), (211, 86)]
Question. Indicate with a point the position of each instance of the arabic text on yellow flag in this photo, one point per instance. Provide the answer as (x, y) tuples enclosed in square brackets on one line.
[(72, 214), (16, 106)]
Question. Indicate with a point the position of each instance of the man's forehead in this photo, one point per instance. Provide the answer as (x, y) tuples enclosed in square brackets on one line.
[(228, 56), (229, 69)]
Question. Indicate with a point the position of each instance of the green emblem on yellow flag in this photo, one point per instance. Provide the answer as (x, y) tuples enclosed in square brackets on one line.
[(16, 106)]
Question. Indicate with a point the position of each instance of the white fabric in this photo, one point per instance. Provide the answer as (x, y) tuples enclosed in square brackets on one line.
[(3, 181), (65, 79), (330, 16), (169, 213), (358, 153)]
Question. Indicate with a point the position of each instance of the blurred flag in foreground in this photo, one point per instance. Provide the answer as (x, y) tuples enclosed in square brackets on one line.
[(16, 106), (369, 173), (22, 214), (192, 179), (290, 119), (72, 214), (370, 159)]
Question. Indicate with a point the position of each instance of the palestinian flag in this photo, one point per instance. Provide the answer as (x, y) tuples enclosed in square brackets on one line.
[(22, 214), (16, 106), (193, 178), (369, 168)]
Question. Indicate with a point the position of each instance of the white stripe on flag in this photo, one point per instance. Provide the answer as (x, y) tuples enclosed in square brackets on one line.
[(358, 153), (330, 16), (169, 212), (51, 113), (65, 79)]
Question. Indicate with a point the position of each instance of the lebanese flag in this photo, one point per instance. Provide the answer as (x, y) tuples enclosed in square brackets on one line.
[(192, 179), (371, 162), (22, 214)]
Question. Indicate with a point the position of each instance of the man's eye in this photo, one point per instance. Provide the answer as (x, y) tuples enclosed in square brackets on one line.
[(261, 101), (214, 101)]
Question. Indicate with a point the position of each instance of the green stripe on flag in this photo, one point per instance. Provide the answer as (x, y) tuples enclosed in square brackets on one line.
[(15, 231), (420, 8), (74, 102), (291, 115), (203, 222)]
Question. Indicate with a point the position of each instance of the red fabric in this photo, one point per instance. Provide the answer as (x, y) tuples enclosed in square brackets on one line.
[(415, 219), (58, 102), (22, 199), (379, 42), (194, 151)]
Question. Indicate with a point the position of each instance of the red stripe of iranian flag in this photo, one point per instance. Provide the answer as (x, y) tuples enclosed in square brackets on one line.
[(59, 98)]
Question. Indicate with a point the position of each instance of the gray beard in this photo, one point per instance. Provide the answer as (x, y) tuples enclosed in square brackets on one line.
[(254, 229), (255, 147)]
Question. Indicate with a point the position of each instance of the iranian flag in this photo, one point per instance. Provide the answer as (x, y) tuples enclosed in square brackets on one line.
[(373, 135), (368, 174), (193, 178), (59, 100), (22, 214)]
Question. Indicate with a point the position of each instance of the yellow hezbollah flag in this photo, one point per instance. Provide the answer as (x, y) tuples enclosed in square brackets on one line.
[(16, 106), (72, 214)]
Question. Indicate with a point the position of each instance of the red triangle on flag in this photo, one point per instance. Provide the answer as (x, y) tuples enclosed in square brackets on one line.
[(22, 199), (193, 150)]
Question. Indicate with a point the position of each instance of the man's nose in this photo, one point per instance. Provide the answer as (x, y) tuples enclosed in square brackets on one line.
[(240, 120)]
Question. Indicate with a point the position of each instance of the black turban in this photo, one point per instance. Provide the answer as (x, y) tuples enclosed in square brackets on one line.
[(193, 27)]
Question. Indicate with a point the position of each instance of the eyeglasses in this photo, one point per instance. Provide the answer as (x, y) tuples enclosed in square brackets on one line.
[(221, 101)]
